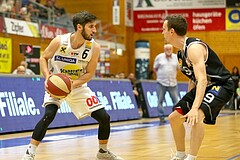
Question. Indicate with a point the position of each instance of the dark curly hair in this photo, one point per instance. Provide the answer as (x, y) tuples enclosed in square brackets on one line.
[(83, 18)]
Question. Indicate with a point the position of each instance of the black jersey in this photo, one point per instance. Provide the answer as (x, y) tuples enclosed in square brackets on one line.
[(216, 71)]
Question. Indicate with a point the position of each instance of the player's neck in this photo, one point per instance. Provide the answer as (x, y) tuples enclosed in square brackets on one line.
[(76, 40), (179, 43)]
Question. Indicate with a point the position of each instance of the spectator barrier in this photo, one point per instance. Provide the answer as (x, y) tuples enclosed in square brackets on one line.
[(21, 101), (149, 99)]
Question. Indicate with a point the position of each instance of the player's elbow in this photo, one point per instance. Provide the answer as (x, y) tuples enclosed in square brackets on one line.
[(203, 81)]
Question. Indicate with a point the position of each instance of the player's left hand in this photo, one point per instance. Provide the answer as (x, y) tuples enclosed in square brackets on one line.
[(75, 84), (192, 117), (45, 82)]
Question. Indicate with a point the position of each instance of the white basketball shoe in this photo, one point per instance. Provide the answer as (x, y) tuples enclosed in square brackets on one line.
[(107, 155)]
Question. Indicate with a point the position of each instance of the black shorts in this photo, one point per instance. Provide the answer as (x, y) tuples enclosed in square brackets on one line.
[(216, 96)]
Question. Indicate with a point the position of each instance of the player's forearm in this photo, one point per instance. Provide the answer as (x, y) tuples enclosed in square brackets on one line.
[(200, 92), (191, 85), (82, 79), (44, 67)]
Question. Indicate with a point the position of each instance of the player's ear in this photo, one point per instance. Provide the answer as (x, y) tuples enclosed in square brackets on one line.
[(172, 31), (79, 27)]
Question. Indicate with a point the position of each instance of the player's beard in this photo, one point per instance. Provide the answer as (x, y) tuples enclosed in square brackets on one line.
[(85, 36)]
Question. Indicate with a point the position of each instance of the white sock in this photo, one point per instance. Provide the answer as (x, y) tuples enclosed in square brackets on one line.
[(103, 146), (190, 157), (31, 149), (180, 154)]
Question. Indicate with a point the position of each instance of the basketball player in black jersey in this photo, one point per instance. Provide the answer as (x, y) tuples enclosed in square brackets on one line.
[(210, 86)]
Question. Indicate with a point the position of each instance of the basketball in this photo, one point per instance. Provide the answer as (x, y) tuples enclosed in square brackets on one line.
[(59, 85)]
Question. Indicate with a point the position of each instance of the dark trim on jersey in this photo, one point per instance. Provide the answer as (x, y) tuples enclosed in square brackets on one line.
[(215, 70)]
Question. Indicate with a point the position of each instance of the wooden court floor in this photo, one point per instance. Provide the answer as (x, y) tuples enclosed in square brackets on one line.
[(142, 139)]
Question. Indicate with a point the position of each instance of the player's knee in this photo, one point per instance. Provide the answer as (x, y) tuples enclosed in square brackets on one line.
[(171, 117), (50, 114), (102, 117), (174, 116), (201, 115), (105, 119), (48, 117)]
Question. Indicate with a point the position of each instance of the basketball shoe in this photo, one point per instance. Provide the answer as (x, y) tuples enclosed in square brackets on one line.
[(28, 157), (178, 158), (107, 155)]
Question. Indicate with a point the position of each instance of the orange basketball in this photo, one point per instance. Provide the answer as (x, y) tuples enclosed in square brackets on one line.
[(59, 85)]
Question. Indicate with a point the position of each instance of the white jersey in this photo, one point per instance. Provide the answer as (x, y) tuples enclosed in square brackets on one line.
[(71, 61)]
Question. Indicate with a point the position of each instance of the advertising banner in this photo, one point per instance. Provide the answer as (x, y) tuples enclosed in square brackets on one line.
[(115, 12), (117, 97), (51, 31), (31, 55), (19, 27), (198, 19), (232, 4), (149, 98), (178, 4), (129, 13), (21, 101), (232, 19), (33, 59), (142, 56), (5, 55)]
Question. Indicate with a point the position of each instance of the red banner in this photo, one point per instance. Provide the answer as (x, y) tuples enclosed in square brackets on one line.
[(51, 32), (198, 19)]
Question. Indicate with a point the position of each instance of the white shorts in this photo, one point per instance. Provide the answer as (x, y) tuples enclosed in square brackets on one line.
[(82, 101)]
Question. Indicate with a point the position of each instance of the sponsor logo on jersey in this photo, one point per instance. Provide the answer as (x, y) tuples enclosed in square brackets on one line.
[(65, 59), (72, 70), (63, 49), (84, 63), (74, 53), (215, 90), (88, 45)]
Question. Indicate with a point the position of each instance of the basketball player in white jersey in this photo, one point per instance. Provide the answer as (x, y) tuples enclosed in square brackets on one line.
[(75, 54)]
